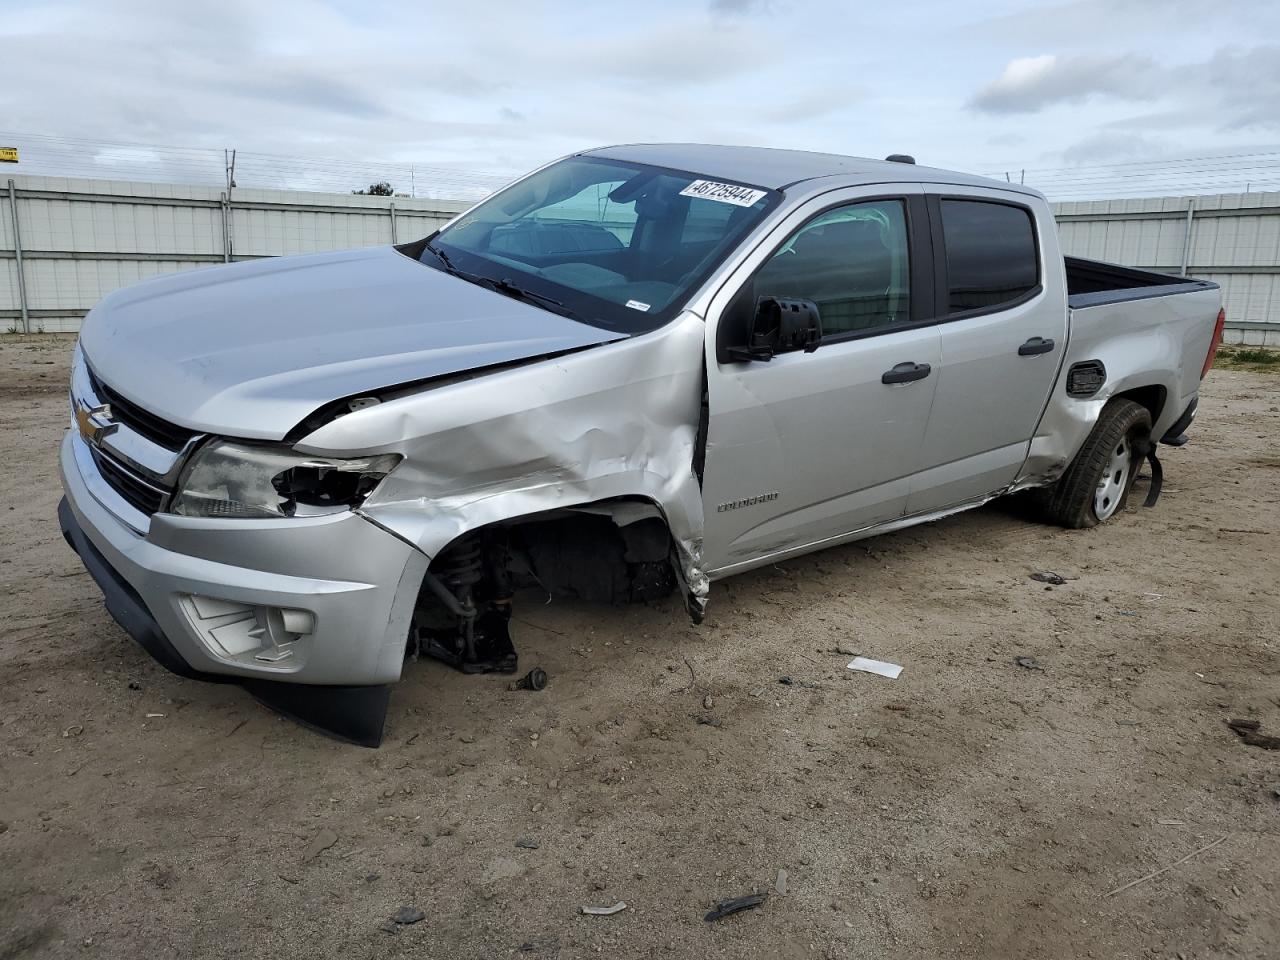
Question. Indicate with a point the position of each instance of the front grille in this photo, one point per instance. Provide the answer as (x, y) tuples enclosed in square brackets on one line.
[(128, 455), (139, 495), (166, 434)]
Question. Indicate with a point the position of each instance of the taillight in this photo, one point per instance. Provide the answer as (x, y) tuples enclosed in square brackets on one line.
[(1215, 342)]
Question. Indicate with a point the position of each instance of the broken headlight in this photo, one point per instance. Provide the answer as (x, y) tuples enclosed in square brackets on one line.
[(228, 479)]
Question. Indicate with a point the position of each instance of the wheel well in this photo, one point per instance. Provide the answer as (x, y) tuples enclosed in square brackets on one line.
[(612, 551), (591, 550), (1152, 397)]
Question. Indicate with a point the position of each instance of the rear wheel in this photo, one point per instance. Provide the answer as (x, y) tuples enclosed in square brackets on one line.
[(1096, 485)]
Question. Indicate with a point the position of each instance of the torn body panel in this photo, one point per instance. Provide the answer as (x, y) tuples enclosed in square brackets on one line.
[(617, 422), (1144, 354)]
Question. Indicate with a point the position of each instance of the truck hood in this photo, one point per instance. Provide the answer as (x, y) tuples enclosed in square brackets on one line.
[(251, 349)]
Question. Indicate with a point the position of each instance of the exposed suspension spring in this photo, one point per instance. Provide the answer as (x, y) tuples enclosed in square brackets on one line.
[(461, 567), (468, 578)]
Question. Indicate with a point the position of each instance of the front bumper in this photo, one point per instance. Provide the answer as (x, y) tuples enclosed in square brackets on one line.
[(350, 584)]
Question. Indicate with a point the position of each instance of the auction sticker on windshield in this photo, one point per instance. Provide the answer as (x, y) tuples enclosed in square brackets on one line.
[(723, 192)]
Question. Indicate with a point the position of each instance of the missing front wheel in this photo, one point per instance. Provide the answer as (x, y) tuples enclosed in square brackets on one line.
[(468, 627), (464, 610)]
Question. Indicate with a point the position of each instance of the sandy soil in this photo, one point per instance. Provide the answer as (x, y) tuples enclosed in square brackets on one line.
[(971, 808)]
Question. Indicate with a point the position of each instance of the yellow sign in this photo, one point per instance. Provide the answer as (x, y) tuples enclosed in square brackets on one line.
[(8, 154)]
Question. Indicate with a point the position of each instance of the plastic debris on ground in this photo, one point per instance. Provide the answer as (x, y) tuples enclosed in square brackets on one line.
[(605, 911), (878, 667), (1048, 576), (727, 907)]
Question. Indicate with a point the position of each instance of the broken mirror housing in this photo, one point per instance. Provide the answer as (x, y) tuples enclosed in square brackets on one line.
[(230, 479)]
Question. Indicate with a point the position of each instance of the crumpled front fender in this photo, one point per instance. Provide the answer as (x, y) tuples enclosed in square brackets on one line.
[(614, 421)]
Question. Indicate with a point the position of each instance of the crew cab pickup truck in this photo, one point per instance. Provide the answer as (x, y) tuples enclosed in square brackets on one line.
[(638, 369)]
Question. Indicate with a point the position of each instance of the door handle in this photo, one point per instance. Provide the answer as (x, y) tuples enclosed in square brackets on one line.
[(1034, 346), (906, 372)]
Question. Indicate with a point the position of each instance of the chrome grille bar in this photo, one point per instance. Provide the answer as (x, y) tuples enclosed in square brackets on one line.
[(133, 454)]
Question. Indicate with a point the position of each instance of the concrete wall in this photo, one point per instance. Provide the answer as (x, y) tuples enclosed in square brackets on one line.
[(81, 239), (1232, 239)]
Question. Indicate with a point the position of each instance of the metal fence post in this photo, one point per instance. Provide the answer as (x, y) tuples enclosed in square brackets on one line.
[(226, 229), (1186, 237), (17, 253), (393, 222)]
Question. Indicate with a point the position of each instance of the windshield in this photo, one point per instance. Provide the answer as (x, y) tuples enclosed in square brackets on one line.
[(617, 245)]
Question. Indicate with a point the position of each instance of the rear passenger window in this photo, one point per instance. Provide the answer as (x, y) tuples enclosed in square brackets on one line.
[(991, 254)]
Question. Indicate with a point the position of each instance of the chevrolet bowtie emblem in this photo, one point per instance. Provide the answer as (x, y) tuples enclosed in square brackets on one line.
[(95, 423)]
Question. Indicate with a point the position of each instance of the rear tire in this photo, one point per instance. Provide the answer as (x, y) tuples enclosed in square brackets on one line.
[(1096, 485)]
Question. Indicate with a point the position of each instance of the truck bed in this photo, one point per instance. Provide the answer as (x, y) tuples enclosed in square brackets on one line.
[(1145, 331), (1092, 283)]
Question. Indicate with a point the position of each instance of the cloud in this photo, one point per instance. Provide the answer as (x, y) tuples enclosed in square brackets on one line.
[(446, 85), (1111, 145), (1084, 21), (1246, 83), (819, 102), (309, 89), (1237, 88), (1029, 84), (672, 53), (738, 7)]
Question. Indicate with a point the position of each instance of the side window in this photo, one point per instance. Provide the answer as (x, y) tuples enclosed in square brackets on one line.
[(991, 253), (851, 261)]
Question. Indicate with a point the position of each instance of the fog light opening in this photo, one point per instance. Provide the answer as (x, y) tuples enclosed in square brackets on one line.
[(248, 632)]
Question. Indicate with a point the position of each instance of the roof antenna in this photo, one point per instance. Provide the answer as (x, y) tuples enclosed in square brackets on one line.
[(900, 158)]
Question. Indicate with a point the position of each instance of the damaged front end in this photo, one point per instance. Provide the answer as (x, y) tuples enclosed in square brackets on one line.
[(408, 522), (300, 530), (568, 478)]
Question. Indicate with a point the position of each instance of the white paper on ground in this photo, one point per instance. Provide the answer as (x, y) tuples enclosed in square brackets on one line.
[(890, 670)]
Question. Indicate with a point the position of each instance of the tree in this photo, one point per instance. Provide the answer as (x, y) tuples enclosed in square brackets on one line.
[(379, 189)]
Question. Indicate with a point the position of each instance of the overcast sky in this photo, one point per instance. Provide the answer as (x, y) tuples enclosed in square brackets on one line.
[(502, 86)]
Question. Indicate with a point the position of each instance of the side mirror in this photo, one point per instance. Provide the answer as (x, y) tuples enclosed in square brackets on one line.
[(780, 324)]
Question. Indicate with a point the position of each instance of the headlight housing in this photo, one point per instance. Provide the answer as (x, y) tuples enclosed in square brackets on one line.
[(229, 479)]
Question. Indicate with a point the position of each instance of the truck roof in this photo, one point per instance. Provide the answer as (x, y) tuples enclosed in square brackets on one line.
[(778, 169)]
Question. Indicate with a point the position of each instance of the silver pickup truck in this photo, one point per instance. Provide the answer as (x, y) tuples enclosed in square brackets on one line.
[(638, 369)]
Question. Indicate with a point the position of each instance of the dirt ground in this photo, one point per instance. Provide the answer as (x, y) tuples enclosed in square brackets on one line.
[(970, 808)]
